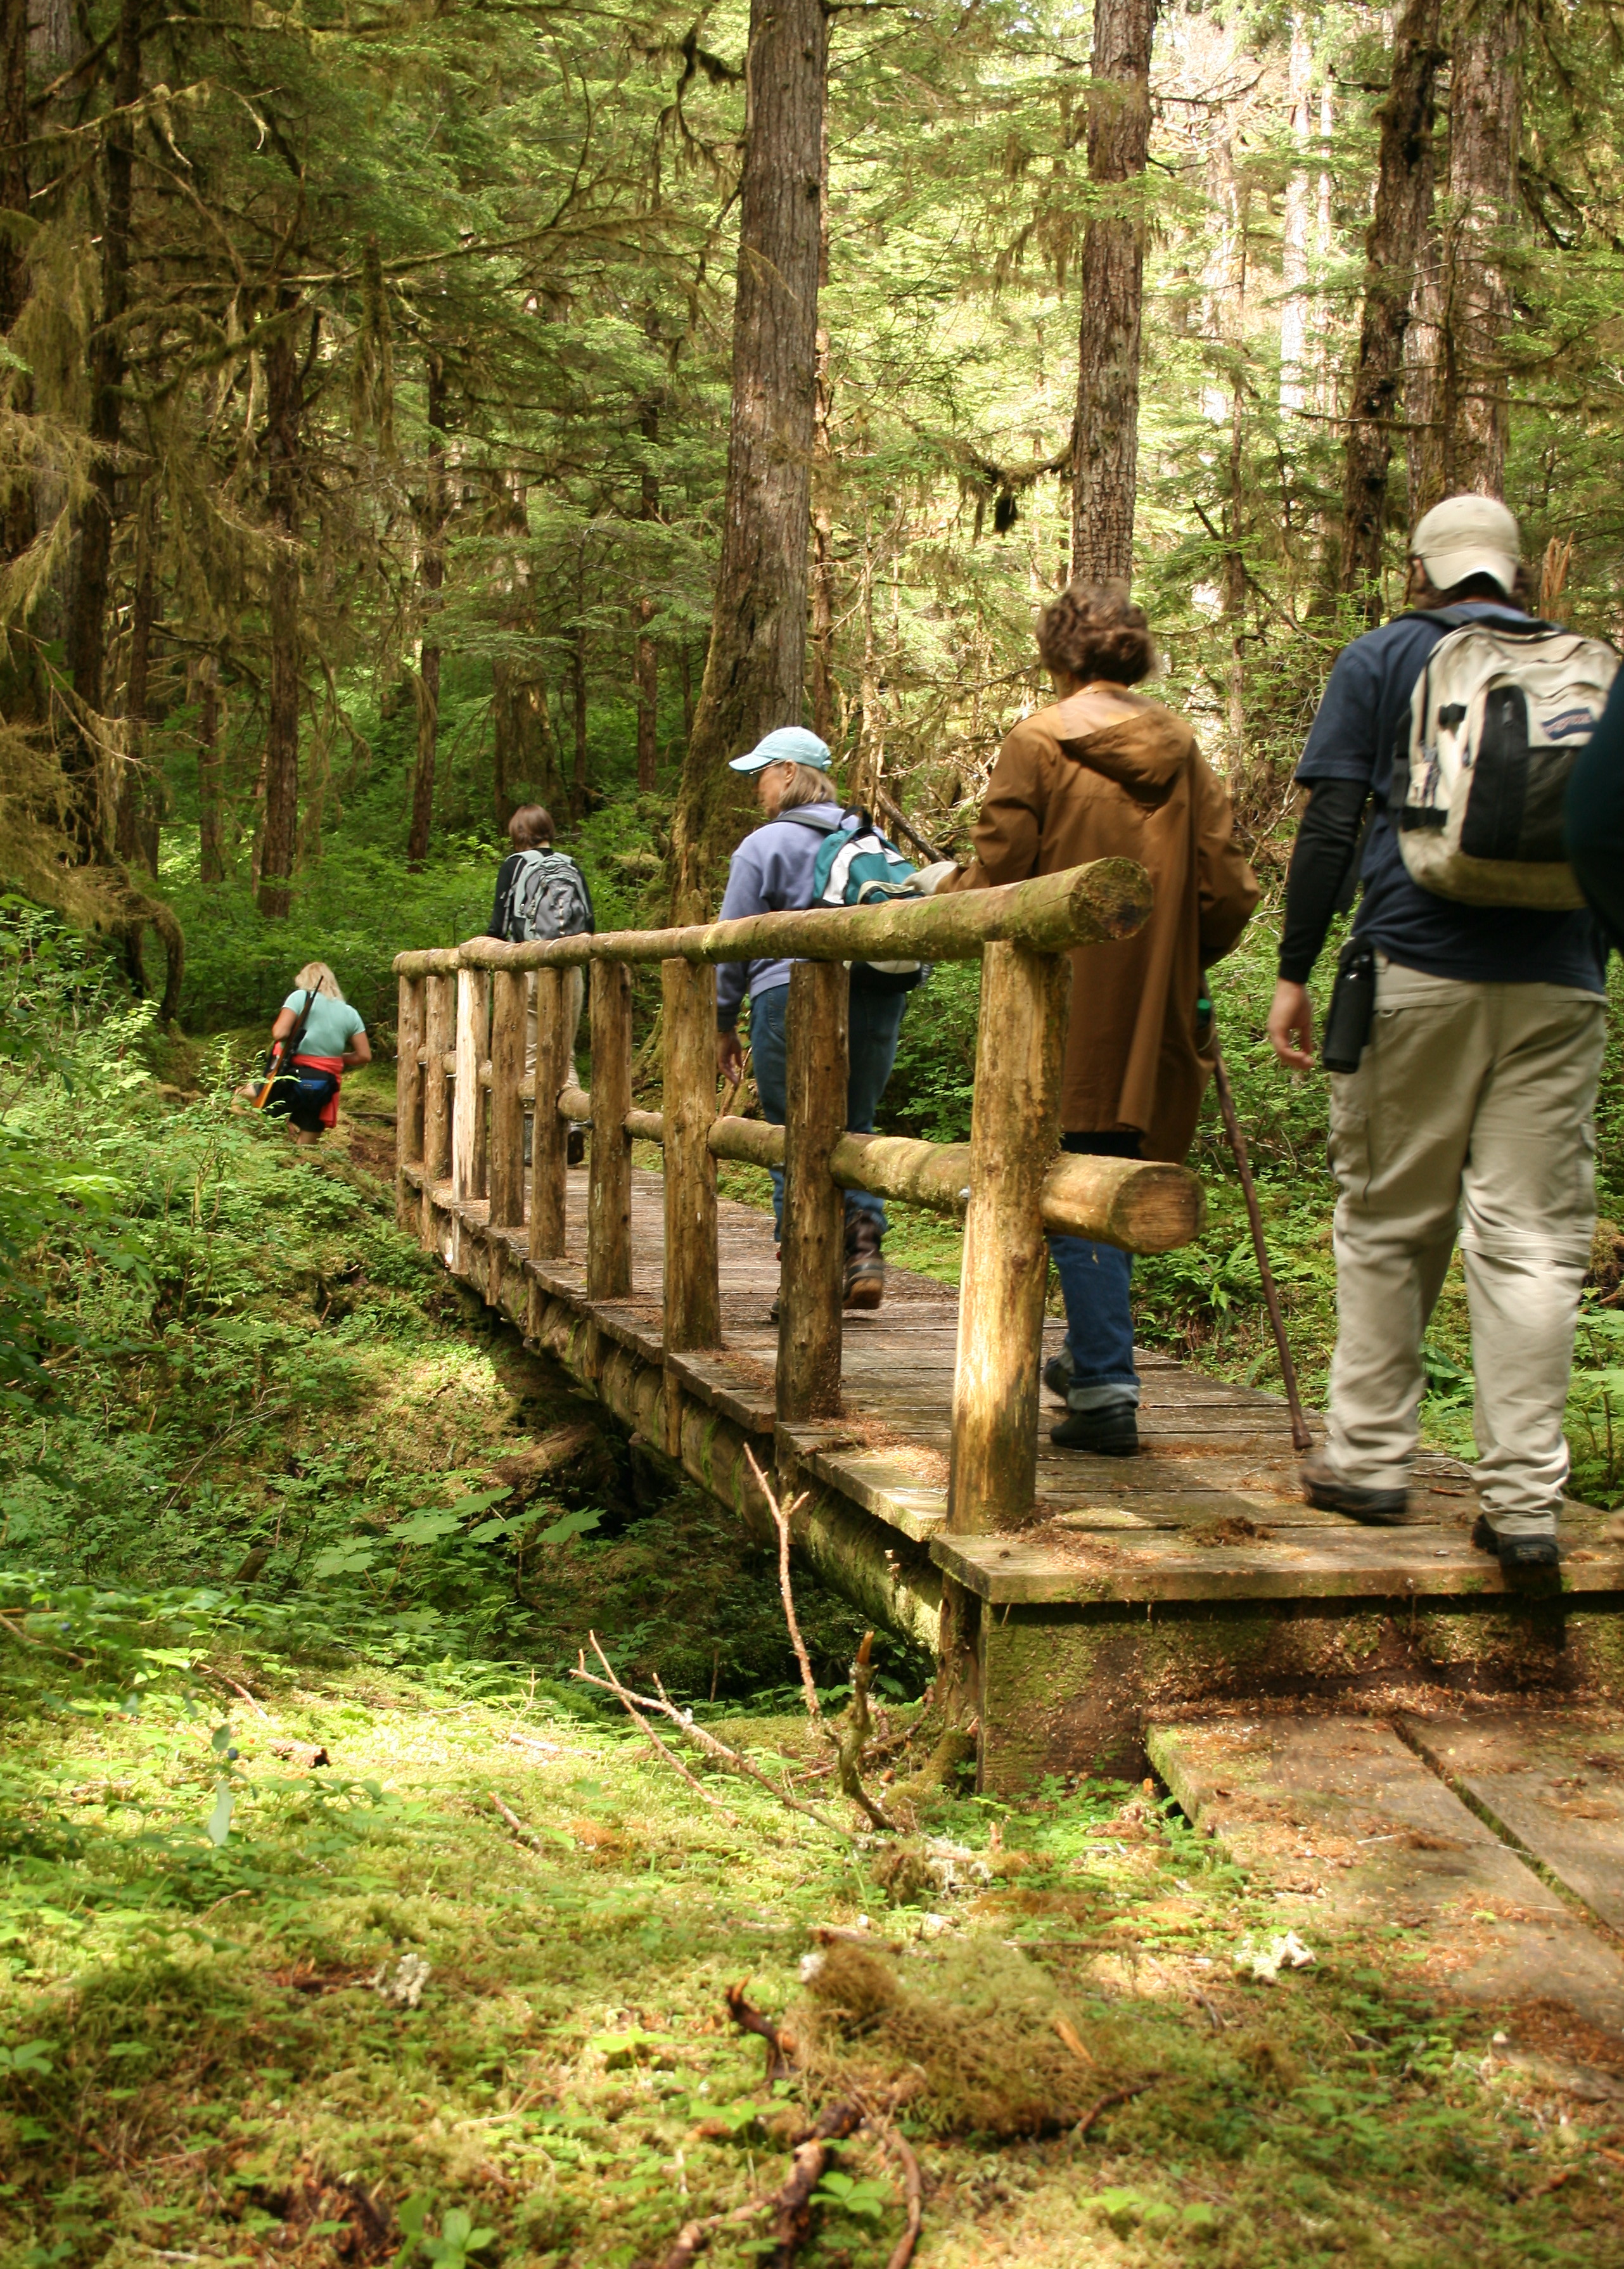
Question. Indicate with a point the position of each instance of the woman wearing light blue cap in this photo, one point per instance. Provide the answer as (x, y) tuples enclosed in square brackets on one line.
[(773, 870)]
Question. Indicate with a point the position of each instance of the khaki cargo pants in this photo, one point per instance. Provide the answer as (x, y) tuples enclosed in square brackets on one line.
[(1471, 1110)]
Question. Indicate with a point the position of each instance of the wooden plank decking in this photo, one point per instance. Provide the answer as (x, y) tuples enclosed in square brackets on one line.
[(1211, 1508), (1191, 1577)]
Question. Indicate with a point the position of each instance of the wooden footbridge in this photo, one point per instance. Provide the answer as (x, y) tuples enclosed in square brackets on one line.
[(1074, 1602)]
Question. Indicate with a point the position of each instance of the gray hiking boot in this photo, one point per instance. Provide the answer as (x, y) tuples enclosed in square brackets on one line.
[(1376, 1508)]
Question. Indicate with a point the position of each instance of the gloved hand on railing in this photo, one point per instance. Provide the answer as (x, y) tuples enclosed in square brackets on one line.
[(929, 880)]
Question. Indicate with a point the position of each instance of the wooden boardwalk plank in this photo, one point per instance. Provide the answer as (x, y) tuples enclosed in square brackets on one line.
[(1340, 1811), (1211, 1509), (1552, 1785)]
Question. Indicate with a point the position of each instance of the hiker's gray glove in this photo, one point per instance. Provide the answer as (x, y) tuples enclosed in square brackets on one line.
[(929, 880)]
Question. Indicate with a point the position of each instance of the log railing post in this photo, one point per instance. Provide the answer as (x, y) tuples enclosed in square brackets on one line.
[(439, 1026), (692, 1287), (510, 996), (409, 1085), (468, 1106), (814, 1236), (549, 1136), (608, 1184), (1014, 1128)]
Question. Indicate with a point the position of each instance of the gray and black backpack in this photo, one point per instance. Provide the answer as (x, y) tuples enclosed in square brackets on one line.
[(548, 899)]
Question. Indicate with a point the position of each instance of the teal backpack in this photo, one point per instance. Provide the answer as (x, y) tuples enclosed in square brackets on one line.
[(855, 867)]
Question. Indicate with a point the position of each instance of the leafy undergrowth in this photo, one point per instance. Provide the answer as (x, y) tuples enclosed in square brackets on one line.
[(284, 1985)]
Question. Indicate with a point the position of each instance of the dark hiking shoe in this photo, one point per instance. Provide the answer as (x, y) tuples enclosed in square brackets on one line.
[(575, 1146), (1324, 1486), (865, 1264), (1057, 1374), (1516, 1554), (1110, 1432)]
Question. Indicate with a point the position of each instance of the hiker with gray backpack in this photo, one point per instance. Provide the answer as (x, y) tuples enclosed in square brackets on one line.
[(809, 851), (1466, 1027), (541, 893)]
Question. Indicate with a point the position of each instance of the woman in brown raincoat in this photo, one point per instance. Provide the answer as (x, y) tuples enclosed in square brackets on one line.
[(1106, 774)]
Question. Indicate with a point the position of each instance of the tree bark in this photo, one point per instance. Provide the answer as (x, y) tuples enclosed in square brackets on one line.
[(1392, 246), (136, 823), (433, 576), (1485, 128), (647, 664), (578, 694), (211, 859), (1106, 461), (284, 415), (755, 667), (86, 643)]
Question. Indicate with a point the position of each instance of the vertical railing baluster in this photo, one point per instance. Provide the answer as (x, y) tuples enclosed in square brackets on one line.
[(439, 1024), (548, 1136), (409, 1085), (692, 1288), (468, 1112), (1014, 1130), (608, 1184), (812, 1278), (510, 993)]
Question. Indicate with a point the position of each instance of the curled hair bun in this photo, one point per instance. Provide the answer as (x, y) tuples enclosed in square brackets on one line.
[(1095, 630)]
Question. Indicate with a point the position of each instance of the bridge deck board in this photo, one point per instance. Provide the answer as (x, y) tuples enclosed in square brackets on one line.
[(1211, 1509)]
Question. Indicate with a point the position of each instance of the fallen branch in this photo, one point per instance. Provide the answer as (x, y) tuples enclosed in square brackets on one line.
[(912, 2192), (852, 1739), (748, 2018), (792, 2222), (630, 1706), (683, 1720), (525, 1835), (781, 1520), (1117, 2096)]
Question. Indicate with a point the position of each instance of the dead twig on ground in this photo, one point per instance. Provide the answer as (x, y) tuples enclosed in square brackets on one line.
[(629, 1704), (792, 2204), (525, 1835), (706, 1741), (912, 2192), (1104, 2102), (749, 2019), (781, 1519), (852, 1739)]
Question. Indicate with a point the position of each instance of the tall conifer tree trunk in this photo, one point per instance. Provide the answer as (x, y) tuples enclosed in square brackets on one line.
[(648, 658), (1106, 463), (433, 575), (754, 669), (209, 783), (1392, 246), (86, 626), (284, 416), (1485, 128)]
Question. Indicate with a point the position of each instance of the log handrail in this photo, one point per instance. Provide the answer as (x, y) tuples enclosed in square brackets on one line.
[(475, 1019), (1081, 905)]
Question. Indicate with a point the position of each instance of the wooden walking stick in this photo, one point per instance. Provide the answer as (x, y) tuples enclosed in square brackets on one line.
[(1301, 1437)]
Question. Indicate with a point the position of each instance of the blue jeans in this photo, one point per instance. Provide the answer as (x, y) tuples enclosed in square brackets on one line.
[(1094, 1282), (875, 1025)]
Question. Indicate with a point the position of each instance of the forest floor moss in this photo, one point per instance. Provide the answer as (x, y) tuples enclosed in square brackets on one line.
[(199, 2058), (203, 2066)]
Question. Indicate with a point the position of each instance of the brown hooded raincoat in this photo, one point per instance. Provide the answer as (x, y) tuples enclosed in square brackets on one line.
[(1106, 774)]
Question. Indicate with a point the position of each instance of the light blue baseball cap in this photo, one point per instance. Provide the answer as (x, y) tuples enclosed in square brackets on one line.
[(790, 745)]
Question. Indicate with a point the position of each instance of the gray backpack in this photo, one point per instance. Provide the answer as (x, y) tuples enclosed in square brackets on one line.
[(548, 899)]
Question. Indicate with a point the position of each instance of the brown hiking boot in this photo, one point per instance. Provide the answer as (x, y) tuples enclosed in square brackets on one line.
[(865, 1264)]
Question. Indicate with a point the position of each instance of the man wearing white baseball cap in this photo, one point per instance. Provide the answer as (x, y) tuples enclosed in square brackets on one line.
[(1465, 1032)]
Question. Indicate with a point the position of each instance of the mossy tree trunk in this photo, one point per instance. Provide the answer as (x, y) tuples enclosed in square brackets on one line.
[(755, 668)]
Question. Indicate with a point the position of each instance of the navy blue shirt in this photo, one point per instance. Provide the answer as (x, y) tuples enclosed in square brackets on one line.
[(1364, 710)]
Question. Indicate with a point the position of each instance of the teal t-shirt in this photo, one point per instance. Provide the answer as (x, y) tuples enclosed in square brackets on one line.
[(333, 1024)]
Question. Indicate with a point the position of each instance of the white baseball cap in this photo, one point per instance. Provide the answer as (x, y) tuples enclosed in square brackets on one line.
[(1467, 536)]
